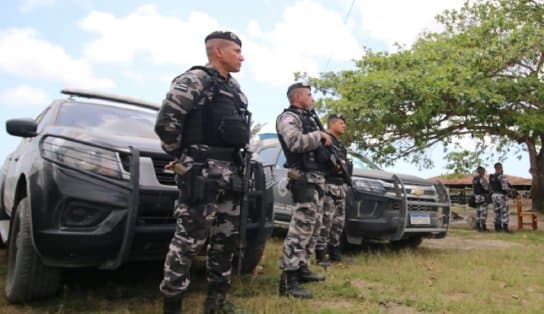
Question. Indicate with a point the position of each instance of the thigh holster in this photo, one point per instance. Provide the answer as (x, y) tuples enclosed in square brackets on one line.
[(302, 191), (196, 188)]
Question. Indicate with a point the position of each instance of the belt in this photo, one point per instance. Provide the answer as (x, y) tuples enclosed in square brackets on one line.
[(218, 153)]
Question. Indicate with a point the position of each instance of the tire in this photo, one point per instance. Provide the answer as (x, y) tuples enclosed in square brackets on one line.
[(408, 243), (348, 247), (252, 257), (27, 278)]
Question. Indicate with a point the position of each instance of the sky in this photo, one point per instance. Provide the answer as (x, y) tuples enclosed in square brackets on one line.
[(136, 47)]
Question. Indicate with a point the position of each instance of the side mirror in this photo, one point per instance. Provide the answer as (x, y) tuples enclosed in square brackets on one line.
[(22, 127)]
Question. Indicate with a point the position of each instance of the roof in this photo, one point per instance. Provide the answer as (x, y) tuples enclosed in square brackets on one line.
[(466, 179)]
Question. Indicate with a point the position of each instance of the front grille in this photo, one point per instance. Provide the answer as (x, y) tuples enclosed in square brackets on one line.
[(414, 207), (167, 178)]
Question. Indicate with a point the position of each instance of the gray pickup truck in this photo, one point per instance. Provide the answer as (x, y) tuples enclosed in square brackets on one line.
[(381, 206)]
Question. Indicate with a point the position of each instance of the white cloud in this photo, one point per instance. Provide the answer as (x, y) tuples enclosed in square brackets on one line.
[(133, 75), (307, 34), (276, 66), (28, 5), (309, 29), (401, 21), (24, 54), (165, 39), (23, 95), (292, 45)]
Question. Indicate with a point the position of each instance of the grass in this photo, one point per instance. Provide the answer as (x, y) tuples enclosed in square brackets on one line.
[(425, 280)]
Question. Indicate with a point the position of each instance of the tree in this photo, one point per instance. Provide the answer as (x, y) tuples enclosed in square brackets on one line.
[(481, 78), (256, 128)]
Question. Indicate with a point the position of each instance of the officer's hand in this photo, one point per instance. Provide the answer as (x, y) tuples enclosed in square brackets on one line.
[(170, 165), (326, 139)]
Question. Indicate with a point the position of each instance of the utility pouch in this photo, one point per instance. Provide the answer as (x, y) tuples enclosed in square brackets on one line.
[(236, 183), (302, 191), (197, 189), (234, 132)]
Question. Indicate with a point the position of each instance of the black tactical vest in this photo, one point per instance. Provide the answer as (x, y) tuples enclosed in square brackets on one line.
[(477, 187), (308, 161), (221, 121), (495, 183), (332, 174)]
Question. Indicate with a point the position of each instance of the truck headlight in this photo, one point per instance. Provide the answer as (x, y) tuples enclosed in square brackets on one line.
[(81, 156), (366, 185)]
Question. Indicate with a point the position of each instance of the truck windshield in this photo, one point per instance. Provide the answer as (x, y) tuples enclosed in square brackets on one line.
[(361, 162), (113, 120)]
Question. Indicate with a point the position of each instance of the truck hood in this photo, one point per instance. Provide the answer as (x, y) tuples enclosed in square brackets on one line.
[(388, 176)]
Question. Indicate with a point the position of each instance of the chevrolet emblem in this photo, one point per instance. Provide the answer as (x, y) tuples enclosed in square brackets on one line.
[(418, 192)]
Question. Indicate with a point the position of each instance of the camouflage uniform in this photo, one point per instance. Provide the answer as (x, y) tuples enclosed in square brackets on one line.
[(480, 188), (216, 220), (299, 244), (499, 185), (334, 207)]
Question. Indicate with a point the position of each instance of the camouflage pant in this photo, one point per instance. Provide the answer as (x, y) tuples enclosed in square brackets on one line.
[(334, 207), (299, 244), (500, 205), (481, 210), (195, 224)]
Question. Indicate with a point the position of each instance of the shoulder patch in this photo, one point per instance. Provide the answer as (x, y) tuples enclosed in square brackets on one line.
[(287, 118)]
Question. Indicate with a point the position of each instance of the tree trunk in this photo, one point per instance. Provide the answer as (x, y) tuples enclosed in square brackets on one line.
[(537, 172)]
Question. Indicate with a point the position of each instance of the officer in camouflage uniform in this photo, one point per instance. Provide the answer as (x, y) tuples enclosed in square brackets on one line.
[(501, 189), (334, 201), (207, 157), (480, 189), (302, 142)]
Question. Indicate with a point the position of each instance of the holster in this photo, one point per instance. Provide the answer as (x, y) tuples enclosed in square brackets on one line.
[(302, 191), (197, 189)]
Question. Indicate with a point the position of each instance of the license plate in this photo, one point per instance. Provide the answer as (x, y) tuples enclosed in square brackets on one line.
[(420, 219)]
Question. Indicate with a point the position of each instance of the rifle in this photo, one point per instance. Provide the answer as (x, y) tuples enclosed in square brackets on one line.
[(334, 155), (244, 204)]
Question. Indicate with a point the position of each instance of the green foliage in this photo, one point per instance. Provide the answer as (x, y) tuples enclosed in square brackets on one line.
[(463, 161), (256, 127), (480, 77)]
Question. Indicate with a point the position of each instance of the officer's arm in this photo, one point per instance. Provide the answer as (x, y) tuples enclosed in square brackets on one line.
[(289, 127), (175, 107), (504, 184)]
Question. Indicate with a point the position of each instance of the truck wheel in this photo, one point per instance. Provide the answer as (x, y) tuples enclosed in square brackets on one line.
[(252, 257), (348, 247), (27, 278), (408, 243)]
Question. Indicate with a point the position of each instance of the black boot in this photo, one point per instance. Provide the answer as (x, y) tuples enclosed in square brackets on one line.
[(171, 305), (216, 302), (321, 258), (289, 286), (306, 275), (505, 228), (335, 253), (498, 227), (484, 227), (478, 226)]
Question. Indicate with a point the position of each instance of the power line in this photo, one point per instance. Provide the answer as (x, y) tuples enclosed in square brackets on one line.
[(336, 41)]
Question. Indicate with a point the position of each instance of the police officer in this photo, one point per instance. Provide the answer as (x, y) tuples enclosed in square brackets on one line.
[(480, 189), (334, 201), (203, 124), (302, 143), (501, 189)]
